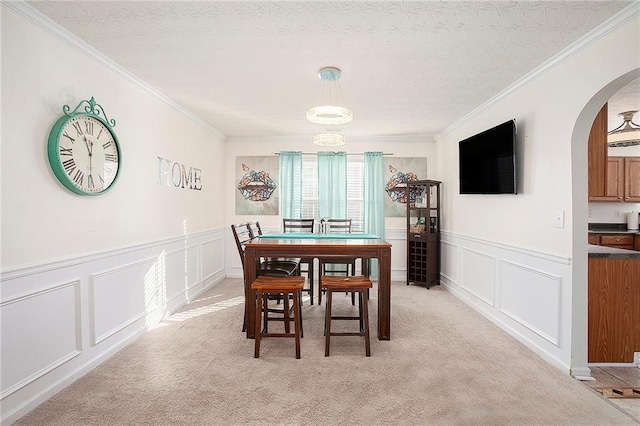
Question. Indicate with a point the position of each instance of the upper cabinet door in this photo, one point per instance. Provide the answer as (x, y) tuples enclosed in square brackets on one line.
[(597, 147), (632, 179), (615, 179)]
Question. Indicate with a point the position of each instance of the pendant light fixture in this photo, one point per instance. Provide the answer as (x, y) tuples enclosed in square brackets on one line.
[(331, 110), (627, 134), (329, 138)]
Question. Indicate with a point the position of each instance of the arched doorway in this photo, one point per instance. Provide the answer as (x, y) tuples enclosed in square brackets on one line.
[(580, 219)]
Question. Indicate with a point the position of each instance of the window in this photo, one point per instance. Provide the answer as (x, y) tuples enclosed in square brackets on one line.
[(355, 190), (309, 187), (355, 194)]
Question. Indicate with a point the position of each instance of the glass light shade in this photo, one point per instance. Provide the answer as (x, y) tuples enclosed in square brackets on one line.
[(329, 115), (620, 138), (627, 134), (329, 139)]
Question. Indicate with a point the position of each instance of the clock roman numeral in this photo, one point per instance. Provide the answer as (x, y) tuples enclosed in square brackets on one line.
[(110, 157), (88, 127), (90, 183), (65, 134), (65, 151), (69, 165), (76, 126), (99, 133), (107, 144), (78, 177), (101, 179)]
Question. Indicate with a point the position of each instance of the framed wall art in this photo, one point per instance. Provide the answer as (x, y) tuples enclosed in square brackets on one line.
[(257, 185), (398, 171)]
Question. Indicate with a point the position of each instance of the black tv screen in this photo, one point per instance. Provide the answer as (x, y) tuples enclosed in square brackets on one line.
[(488, 161)]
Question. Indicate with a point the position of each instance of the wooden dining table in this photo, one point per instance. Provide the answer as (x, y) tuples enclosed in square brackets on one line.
[(363, 246)]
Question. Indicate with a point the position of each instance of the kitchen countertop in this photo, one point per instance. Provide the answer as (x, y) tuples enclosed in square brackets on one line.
[(611, 228), (602, 251), (615, 231)]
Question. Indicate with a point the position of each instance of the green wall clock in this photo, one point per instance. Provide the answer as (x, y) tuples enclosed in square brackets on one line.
[(83, 149)]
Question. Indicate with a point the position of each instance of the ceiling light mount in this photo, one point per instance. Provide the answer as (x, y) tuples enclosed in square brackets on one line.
[(627, 134)]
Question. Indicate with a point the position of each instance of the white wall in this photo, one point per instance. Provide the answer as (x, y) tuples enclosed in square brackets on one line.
[(395, 227), (40, 75), (83, 276), (611, 212), (503, 254)]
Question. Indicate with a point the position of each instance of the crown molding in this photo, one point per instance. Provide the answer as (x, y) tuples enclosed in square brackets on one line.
[(45, 23), (306, 139), (610, 25)]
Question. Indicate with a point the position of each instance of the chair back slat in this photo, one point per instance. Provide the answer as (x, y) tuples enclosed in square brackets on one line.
[(340, 226), (242, 234), (255, 228), (297, 225)]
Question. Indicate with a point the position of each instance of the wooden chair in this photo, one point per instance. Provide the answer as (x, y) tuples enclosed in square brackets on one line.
[(256, 231), (243, 234), (306, 263), (353, 284), (344, 266), (275, 286)]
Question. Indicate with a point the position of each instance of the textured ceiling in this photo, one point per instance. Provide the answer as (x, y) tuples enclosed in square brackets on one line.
[(408, 68), (627, 99)]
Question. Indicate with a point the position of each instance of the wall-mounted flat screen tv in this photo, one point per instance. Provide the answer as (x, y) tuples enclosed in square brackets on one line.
[(488, 161)]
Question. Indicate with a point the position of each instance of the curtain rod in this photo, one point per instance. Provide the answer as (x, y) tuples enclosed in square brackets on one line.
[(348, 153)]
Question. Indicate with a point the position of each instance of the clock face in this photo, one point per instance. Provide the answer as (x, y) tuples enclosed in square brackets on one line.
[(84, 154)]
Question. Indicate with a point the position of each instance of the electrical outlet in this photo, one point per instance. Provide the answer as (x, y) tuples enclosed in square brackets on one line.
[(617, 213)]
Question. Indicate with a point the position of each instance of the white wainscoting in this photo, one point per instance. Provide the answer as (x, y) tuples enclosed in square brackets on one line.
[(61, 319), (525, 292)]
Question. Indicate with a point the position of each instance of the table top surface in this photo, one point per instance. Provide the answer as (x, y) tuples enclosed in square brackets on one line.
[(314, 236), (318, 240)]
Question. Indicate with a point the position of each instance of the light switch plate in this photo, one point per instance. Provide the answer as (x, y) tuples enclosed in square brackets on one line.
[(559, 219)]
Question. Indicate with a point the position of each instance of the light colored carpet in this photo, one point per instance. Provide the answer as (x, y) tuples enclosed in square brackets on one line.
[(444, 365)]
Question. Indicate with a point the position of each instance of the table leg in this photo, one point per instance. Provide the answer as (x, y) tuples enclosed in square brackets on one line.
[(249, 294), (365, 266), (384, 294)]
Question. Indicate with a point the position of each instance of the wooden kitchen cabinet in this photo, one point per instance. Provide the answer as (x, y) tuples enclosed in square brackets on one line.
[(615, 180), (622, 241), (632, 179), (617, 241), (597, 154), (610, 178), (614, 309), (623, 180)]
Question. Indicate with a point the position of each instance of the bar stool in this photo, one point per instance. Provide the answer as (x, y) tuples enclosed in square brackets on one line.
[(285, 286), (359, 284)]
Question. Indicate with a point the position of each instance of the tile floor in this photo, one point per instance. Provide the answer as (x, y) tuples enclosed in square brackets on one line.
[(618, 377)]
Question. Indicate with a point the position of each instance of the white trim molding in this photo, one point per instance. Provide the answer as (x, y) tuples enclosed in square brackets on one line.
[(106, 301), (525, 292)]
